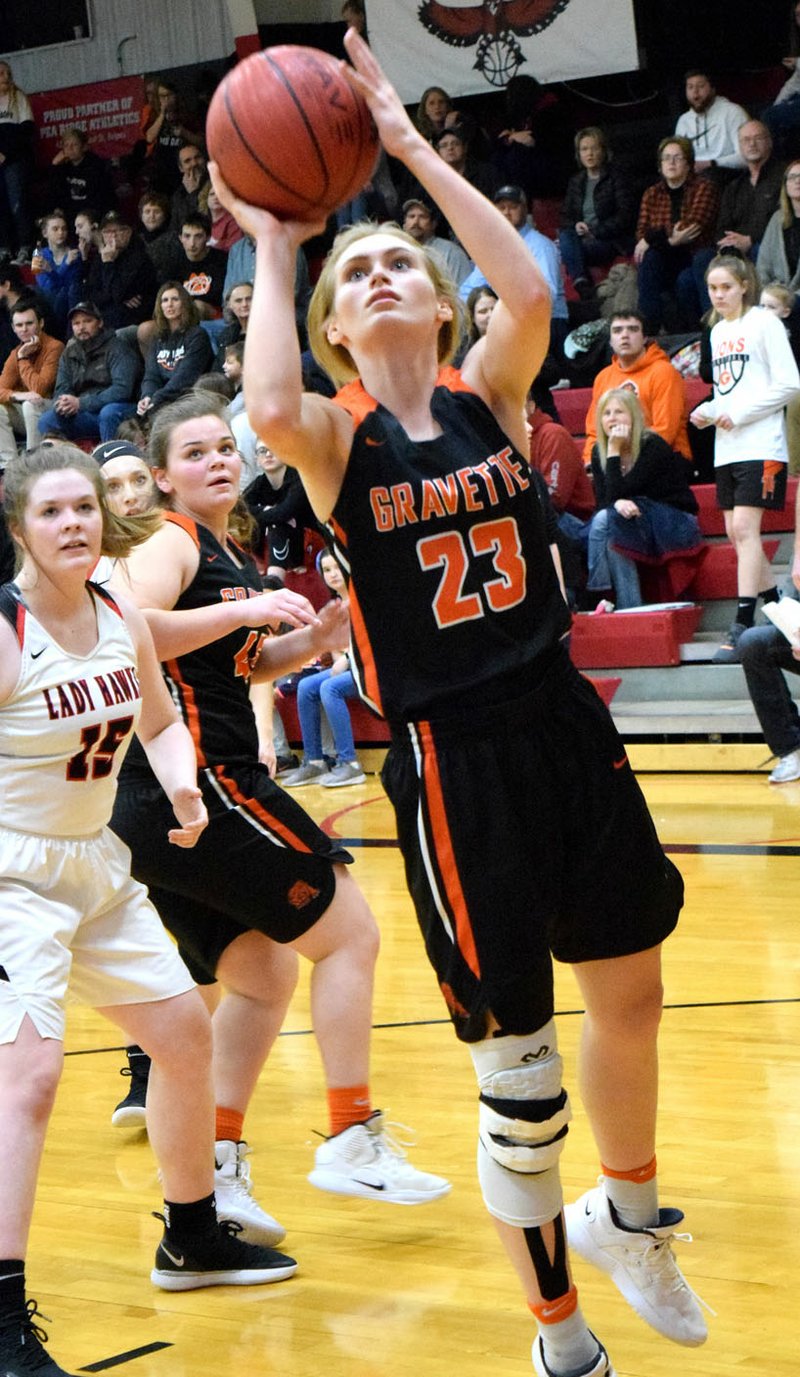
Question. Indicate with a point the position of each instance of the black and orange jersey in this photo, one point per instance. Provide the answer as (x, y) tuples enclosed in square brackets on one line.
[(454, 597), (210, 685)]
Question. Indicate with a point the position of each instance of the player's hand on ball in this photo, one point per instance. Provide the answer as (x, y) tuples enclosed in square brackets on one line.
[(257, 222), (189, 809)]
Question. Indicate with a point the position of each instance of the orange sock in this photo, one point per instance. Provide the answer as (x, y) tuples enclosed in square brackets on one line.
[(229, 1125), (348, 1105), (555, 1311), (637, 1174)]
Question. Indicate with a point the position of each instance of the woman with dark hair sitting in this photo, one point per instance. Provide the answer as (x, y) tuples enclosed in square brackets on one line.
[(179, 353), (598, 213), (644, 503)]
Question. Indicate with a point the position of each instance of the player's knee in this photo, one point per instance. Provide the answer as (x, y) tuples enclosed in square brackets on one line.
[(35, 1091), (524, 1118)]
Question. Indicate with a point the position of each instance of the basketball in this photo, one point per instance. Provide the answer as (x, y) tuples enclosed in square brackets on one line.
[(290, 134)]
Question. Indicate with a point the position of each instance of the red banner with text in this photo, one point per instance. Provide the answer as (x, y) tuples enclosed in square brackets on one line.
[(108, 112)]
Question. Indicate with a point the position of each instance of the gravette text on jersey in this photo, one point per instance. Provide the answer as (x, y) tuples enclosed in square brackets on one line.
[(473, 488), (73, 698)]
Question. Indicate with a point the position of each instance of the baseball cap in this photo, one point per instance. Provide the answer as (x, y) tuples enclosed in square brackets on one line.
[(115, 217), (87, 308), (416, 201), (510, 193), (116, 449), (457, 130)]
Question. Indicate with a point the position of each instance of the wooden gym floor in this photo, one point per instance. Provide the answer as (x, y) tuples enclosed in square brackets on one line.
[(386, 1291)]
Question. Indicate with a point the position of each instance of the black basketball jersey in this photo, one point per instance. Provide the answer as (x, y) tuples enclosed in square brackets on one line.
[(210, 685), (453, 594)]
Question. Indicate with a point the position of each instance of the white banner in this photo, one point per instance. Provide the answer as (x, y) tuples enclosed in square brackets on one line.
[(472, 47)]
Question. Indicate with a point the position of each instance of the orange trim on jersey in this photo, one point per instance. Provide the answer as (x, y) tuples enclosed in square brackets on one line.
[(364, 647), (338, 532), (443, 843), (186, 524), (190, 708), (355, 399), (451, 378), (259, 811)]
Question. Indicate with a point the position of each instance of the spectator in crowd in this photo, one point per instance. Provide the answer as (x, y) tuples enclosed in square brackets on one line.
[(479, 306), (201, 269), (154, 230), (554, 453), (711, 124), (452, 145), (179, 353), (748, 202), (644, 503), (27, 380), (17, 131), (783, 117), (644, 370), (534, 149), (193, 181), (236, 313), (419, 220), (329, 690), (96, 371), (277, 501), (598, 213), (677, 216), (88, 238), (233, 370), (431, 117), (512, 202), (767, 655), (224, 230), (13, 289), (242, 268), (58, 269), (755, 376), (121, 280), (81, 177), (169, 131), (779, 252)]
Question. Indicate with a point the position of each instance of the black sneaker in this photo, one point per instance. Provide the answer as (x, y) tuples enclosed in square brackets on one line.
[(218, 1258), (728, 653), (130, 1112), (285, 763), (21, 1341)]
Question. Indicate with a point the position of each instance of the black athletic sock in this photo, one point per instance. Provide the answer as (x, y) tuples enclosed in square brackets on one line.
[(12, 1285), (771, 594), (187, 1221), (746, 611)]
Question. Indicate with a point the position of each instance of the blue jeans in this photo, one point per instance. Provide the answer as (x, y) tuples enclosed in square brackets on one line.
[(87, 425), (331, 692), (579, 253), (659, 530), (607, 567), (766, 655)]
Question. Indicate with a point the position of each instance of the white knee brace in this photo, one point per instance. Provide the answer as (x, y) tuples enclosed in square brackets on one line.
[(524, 1113)]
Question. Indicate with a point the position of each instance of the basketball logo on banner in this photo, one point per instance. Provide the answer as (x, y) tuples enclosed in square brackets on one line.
[(495, 26)]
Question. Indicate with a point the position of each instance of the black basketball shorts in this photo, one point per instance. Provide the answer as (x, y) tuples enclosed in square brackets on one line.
[(262, 863), (525, 834), (752, 483)]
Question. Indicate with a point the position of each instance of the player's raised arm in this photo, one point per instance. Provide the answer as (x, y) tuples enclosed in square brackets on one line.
[(517, 340), (305, 430)]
